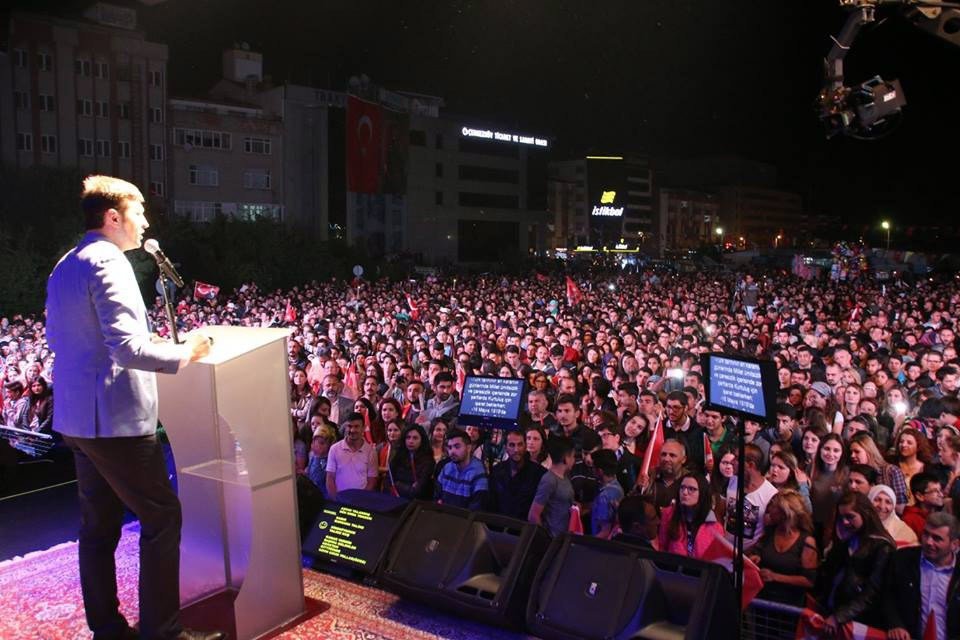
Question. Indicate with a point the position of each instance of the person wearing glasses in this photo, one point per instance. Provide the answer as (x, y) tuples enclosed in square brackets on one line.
[(927, 498), (689, 526)]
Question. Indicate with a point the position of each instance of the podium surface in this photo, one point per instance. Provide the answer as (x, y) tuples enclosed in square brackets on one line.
[(228, 420)]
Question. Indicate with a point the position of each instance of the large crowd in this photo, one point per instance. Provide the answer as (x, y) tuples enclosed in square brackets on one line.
[(855, 482)]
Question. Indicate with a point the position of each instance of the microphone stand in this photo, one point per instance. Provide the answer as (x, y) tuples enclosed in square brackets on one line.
[(168, 306)]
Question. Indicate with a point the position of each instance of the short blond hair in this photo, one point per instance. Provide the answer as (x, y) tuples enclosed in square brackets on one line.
[(102, 193)]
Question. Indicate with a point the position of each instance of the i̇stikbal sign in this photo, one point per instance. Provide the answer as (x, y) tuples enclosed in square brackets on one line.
[(499, 136), (607, 207)]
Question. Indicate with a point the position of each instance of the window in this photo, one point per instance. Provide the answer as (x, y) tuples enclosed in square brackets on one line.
[(20, 58), (489, 174), (256, 179), (439, 170), (492, 200), (103, 148), (85, 147), (156, 189), (103, 109), (24, 142), (123, 149), (439, 141), (253, 210), (204, 175), (45, 61), (257, 145), (47, 103), (123, 110), (197, 211), (123, 72), (155, 78), (438, 197), (156, 152), (418, 138), (101, 70), (82, 67), (48, 144), (21, 99), (202, 138), (84, 107), (156, 114)]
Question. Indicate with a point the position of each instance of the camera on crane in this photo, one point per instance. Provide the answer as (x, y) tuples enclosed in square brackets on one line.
[(862, 110)]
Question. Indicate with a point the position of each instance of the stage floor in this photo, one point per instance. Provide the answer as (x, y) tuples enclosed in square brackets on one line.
[(42, 600)]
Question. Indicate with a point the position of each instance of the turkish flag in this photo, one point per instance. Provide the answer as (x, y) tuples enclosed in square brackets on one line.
[(290, 314), (721, 552), (574, 296), (364, 145), (204, 291)]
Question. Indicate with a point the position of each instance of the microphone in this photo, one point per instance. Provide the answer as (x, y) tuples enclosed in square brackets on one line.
[(152, 247)]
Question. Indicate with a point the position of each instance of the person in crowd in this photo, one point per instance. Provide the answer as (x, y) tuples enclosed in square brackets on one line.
[(827, 483), (301, 396), (567, 416), (603, 514), (927, 498), (16, 406), (628, 465), (863, 450), (688, 527), (536, 442), (785, 474), (388, 450), (787, 551), (514, 482), (924, 581), (884, 501), (758, 492), (912, 452), (662, 487), (40, 409), (861, 478), (639, 522), (438, 439), (444, 404), (352, 462), (851, 580), (554, 497), (683, 428), (809, 446), (462, 481), (316, 470), (411, 468), (636, 433)]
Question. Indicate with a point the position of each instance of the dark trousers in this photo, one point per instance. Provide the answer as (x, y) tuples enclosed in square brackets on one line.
[(113, 473)]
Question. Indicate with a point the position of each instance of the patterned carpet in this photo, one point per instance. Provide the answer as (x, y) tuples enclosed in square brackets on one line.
[(41, 601)]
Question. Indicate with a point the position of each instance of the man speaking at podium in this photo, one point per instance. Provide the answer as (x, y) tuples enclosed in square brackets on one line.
[(105, 375)]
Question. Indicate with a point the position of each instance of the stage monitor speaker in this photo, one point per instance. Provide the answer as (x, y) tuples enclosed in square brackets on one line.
[(351, 534), (474, 564), (592, 589)]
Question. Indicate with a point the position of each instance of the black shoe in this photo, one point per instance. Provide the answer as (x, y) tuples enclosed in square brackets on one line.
[(190, 634), (127, 634)]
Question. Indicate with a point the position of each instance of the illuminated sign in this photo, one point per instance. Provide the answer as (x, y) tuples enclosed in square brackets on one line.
[(610, 212), (500, 136), (584, 248), (608, 197)]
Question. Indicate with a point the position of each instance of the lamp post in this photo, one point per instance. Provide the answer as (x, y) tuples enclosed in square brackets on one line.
[(776, 241), (719, 232), (886, 227)]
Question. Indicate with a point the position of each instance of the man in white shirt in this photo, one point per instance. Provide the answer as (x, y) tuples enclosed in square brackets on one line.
[(757, 495), (352, 462)]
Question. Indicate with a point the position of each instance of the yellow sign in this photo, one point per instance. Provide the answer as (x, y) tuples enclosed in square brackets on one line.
[(608, 197)]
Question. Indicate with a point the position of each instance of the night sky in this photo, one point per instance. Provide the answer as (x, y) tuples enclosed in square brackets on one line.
[(672, 78)]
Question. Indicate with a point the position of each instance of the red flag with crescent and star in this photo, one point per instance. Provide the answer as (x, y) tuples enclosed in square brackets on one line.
[(364, 145)]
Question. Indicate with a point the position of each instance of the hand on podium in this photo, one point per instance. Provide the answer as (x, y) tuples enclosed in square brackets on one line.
[(199, 346)]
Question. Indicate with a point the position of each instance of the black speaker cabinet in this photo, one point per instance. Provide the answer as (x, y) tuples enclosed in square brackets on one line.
[(589, 589), (471, 563)]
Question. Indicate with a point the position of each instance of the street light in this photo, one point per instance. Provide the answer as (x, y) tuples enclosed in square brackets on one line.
[(886, 227), (776, 241), (719, 232)]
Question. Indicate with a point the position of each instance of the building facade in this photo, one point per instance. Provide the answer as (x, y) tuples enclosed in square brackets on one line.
[(688, 219), (87, 92), (602, 201)]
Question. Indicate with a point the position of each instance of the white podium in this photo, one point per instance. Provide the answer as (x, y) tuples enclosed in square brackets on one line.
[(228, 420)]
